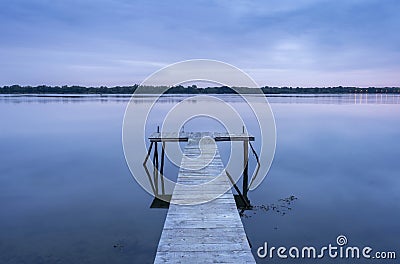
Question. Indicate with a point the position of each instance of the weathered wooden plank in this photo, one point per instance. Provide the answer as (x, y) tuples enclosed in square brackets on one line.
[(210, 232), (233, 256), (184, 136)]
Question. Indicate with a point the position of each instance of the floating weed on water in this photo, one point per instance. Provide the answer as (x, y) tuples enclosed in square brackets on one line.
[(281, 207), (288, 200)]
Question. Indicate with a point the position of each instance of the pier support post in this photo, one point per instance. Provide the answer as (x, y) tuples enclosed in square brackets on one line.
[(155, 170), (245, 168), (162, 167)]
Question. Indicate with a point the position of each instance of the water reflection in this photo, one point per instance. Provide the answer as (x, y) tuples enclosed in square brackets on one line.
[(67, 195), (360, 98)]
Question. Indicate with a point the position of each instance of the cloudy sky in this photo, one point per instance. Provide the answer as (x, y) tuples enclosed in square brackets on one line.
[(277, 42)]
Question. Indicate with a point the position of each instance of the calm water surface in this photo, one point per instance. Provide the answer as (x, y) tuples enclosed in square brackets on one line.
[(67, 195)]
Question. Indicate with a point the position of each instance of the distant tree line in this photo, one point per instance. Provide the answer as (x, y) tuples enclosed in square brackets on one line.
[(329, 90), (193, 89), (44, 89)]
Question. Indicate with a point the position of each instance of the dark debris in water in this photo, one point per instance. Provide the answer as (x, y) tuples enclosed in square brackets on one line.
[(281, 207), (119, 246)]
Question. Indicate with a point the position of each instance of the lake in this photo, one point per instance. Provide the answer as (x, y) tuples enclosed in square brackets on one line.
[(67, 195)]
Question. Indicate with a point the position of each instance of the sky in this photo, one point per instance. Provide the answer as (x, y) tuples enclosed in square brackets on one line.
[(277, 42)]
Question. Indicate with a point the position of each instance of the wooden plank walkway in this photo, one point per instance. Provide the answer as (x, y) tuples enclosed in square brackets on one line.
[(211, 232)]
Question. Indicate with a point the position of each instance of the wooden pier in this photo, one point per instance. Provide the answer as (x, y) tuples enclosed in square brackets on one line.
[(211, 232)]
